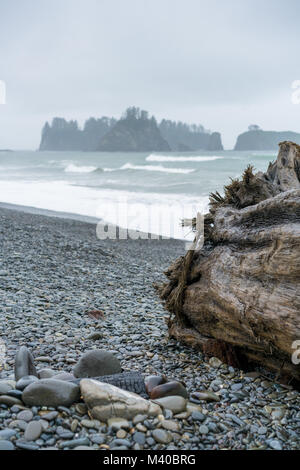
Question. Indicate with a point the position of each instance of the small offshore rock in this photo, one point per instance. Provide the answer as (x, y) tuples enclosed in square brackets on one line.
[(96, 363), (51, 392)]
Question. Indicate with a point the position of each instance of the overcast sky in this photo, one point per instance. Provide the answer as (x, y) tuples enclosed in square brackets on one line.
[(222, 63)]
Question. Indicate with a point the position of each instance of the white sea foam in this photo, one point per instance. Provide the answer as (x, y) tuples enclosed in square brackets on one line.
[(72, 168), (129, 166), (264, 154), (148, 212), (193, 158)]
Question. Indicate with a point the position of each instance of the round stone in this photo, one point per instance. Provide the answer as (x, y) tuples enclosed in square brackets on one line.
[(176, 404), (24, 364), (4, 388), (203, 429), (51, 392), (25, 381), (9, 401), (50, 416), (25, 415), (6, 445), (262, 430), (276, 445), (46, 373), (121, 434), (33, 431), (97, 363), (139, 438), (170, 425), (162, 437), (7, 434), (168, 389), (198, 416)]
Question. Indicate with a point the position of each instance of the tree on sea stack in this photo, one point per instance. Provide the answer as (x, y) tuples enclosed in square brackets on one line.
[(238, 297)]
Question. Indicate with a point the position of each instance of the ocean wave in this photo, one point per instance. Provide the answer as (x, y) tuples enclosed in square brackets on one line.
[(129, 166), (72, 168), (167, 158), (263, 153), (156, 213)]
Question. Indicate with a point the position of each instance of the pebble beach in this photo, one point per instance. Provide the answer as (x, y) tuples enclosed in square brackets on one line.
[(63, 292)]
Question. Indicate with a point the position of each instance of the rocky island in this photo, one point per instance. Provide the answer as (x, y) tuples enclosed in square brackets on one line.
[(64, 135), (183, 137), (258, 139), (136, 131)]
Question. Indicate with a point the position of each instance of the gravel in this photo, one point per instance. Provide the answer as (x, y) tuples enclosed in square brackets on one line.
[(54, 276)]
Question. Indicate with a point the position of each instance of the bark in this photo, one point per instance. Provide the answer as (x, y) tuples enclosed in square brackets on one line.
[(238, 297)]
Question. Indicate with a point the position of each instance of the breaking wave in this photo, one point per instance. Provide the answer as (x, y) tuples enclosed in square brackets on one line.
[(129, 166), (196, 158), (71, 168)]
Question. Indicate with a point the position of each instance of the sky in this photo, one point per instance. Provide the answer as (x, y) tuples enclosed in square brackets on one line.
[(224, 64)]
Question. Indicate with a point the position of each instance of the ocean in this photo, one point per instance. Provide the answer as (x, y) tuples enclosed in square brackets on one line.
[(149, 192)]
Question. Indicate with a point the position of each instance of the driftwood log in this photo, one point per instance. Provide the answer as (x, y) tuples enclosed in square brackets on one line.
[(238, 298)]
